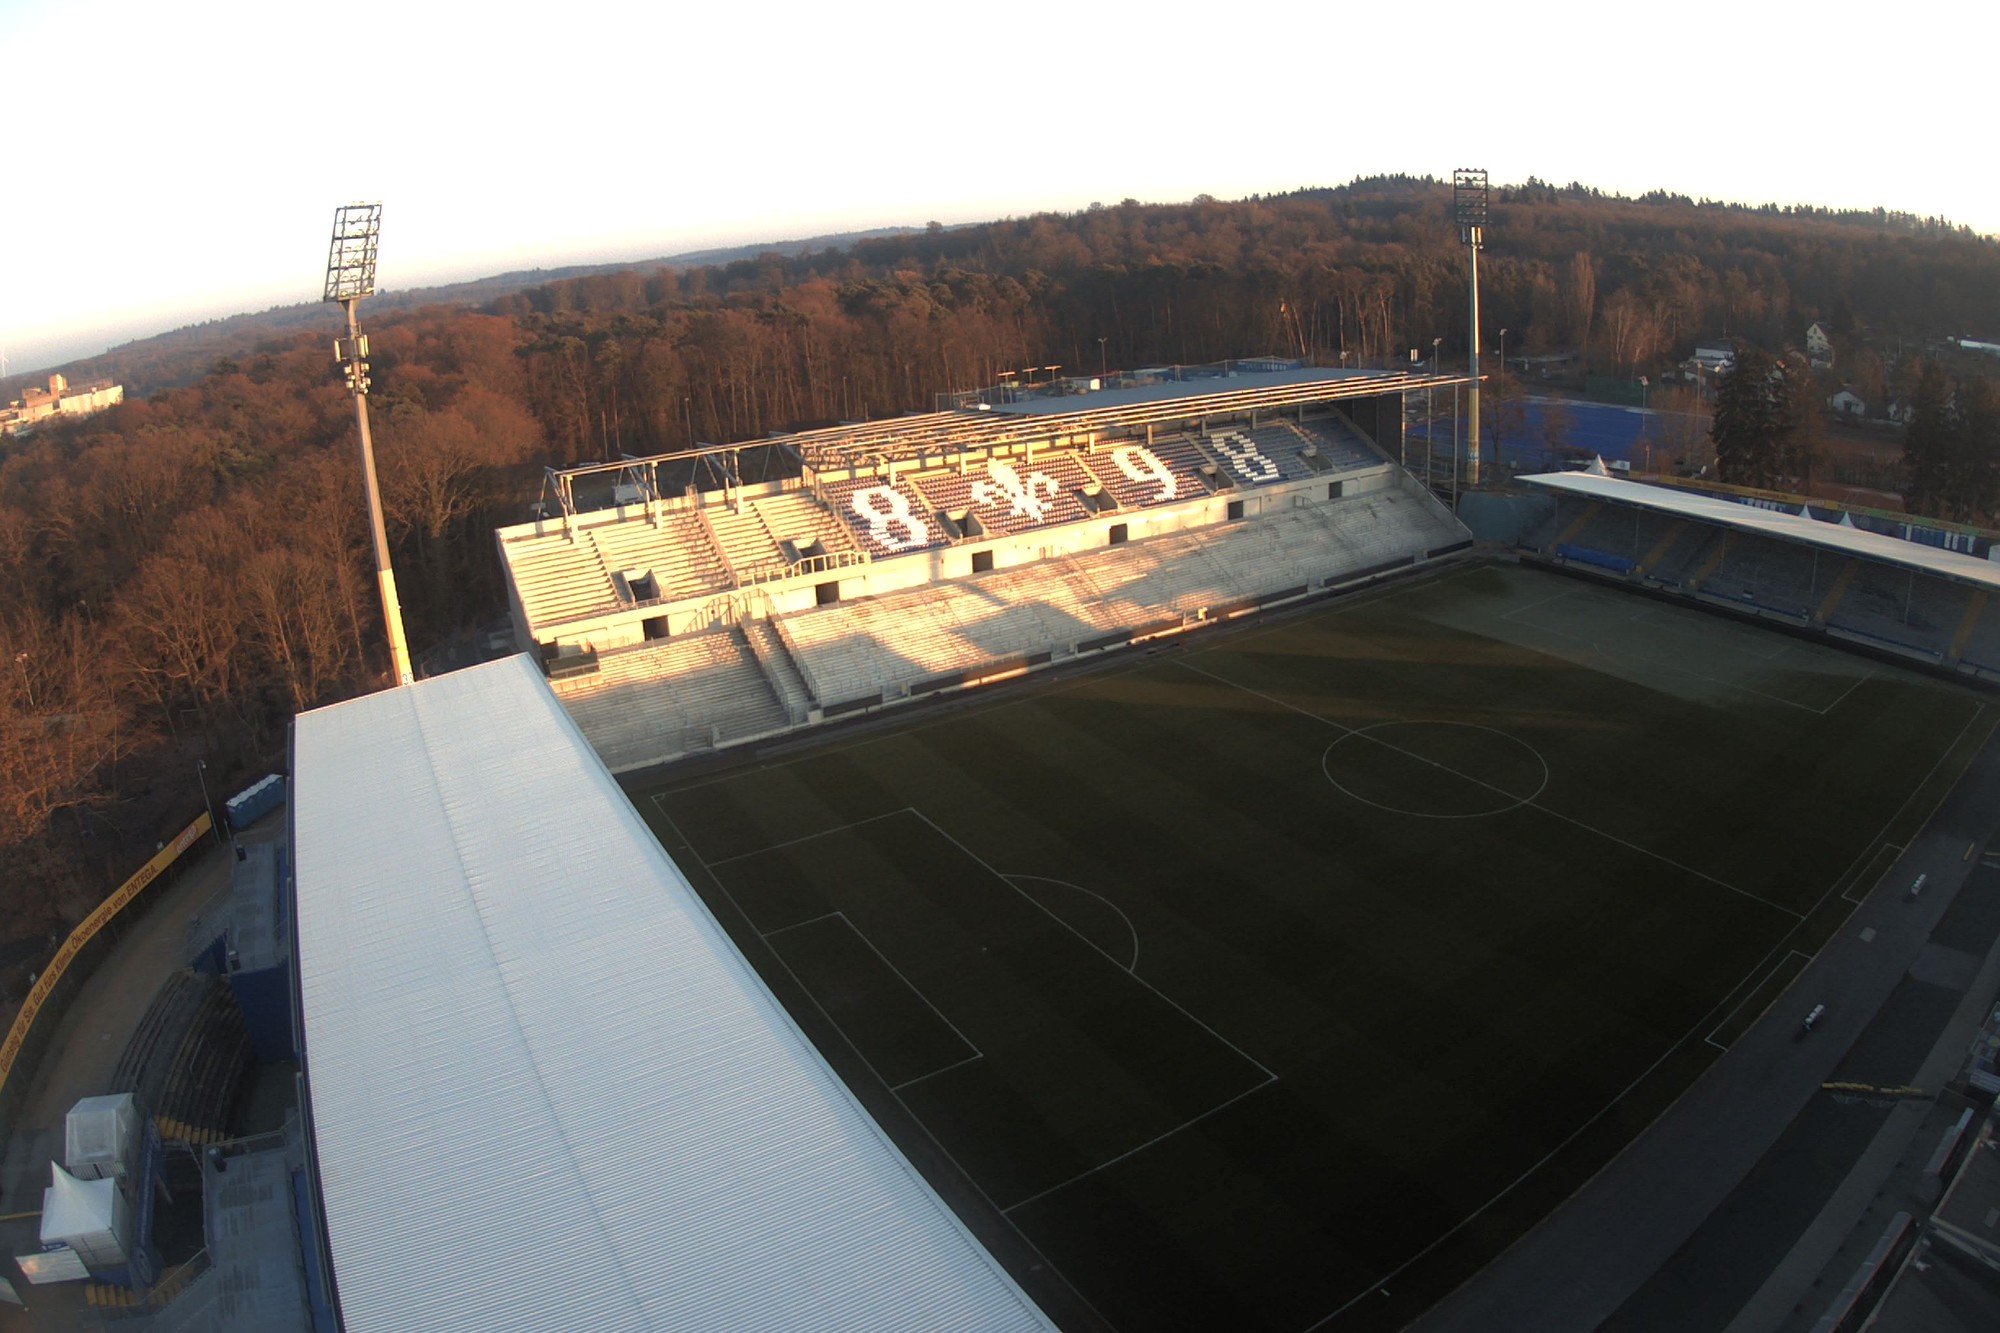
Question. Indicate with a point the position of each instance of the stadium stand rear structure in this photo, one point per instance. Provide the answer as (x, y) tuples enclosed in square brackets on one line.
[(544, 1089), (1808, 568), (940, 550)]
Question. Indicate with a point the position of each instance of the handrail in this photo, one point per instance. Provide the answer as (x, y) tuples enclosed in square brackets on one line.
[(86, 930)]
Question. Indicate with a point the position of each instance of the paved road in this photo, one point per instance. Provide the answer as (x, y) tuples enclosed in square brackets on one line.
[(90, 1036), (1588, 1259)]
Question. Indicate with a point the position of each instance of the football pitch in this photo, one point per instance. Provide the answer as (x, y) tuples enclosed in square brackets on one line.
[(1278, 979)]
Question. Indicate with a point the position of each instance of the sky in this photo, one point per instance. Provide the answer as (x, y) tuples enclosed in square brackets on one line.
[(175, 162)]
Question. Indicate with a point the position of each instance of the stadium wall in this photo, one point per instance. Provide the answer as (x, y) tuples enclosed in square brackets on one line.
[(73, 965), (626, 627)]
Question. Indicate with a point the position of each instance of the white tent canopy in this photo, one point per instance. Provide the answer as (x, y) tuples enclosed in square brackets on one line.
[(89, 1216)]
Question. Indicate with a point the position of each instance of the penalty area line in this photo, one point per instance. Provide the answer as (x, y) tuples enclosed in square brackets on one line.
[(1737, 1008)]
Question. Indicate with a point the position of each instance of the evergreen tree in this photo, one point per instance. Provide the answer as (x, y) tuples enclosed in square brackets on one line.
[(1929, 442), (1747, 419), (1766, 428)]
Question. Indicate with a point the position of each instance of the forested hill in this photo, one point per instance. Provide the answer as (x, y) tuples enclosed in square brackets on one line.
[(180, 356), (188, 570), (1367, 271)]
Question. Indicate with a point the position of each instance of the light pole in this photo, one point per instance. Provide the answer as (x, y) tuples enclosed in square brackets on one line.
[(350, 275), (1101, 370), (1430, 412), (214, 824), (1469, 195), (1500, 396)]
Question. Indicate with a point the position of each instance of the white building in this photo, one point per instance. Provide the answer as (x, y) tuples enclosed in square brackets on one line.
[(59, 399), (1714, 354)]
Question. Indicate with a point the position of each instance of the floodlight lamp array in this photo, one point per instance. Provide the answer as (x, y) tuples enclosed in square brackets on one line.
[(350, 260), (1469, 196)]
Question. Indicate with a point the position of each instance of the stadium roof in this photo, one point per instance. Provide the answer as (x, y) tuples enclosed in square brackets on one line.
[(1041, 418), (1774, 523), (546, 1090), (1164, 391)]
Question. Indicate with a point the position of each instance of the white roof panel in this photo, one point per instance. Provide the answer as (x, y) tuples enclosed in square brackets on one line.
[(1774, 523), (547, 1091)]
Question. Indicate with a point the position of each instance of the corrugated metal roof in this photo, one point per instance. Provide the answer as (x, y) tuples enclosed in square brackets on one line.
[(1198, 386), (547, 1091), (1774, 523)]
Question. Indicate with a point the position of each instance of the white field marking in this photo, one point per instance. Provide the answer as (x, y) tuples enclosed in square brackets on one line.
[(1135, 1151), (809, 837), (1516, 802), (862, 935), (1469, 1218), (1675, 669), (974, 706), (1873, 845), (1560, 594), (911, 985), (1690, 612), (942, 1069), (981, 861), (811, 920), (1668, 860), (1726, 1018), (1269, 1076), (1629, 658), (1707, 1021), (1345, 603), (915, 1119), (1131, 929), (1847, 894), (1552, 813)]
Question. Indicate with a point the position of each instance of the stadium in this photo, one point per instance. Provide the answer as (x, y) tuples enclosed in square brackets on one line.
[(1118, 854)]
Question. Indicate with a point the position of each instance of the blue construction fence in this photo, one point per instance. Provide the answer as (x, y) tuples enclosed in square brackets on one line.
[(1550, 434)]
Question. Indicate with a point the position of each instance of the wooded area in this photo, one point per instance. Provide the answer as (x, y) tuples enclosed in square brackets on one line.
[(191, 568)]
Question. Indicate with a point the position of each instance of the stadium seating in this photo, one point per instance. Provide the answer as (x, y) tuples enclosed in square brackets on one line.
[(1140, 475), (1772, 576), (888, 519), (797, 517), (1011, 494), (673, 697), (1978, 645), (1259, 457), (1339, 442), (657, 701), (780, 668), (1681, 565), (746, 541), (679, 551), (1893, 607), (559, 576), (857, 651), (187, 1059)]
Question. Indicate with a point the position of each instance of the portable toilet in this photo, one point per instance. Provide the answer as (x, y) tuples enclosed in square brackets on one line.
[(101, 1137)]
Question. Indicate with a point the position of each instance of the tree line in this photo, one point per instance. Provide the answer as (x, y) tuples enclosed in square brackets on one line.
[(192, 568)]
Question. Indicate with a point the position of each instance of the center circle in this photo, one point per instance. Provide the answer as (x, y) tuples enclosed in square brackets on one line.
[(1436, 770)]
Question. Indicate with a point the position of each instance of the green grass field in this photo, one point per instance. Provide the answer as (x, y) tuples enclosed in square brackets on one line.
[(1278, 980)]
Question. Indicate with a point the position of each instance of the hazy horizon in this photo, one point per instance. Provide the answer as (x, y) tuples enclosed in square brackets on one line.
[(196, 155)]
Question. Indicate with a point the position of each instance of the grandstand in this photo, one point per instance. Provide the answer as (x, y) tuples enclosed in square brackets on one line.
[(1919, 594), (859, 1035), (935, 551)]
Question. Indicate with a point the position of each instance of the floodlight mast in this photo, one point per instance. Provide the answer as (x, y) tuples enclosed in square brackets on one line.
[(1468, 199), (350, 275)]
